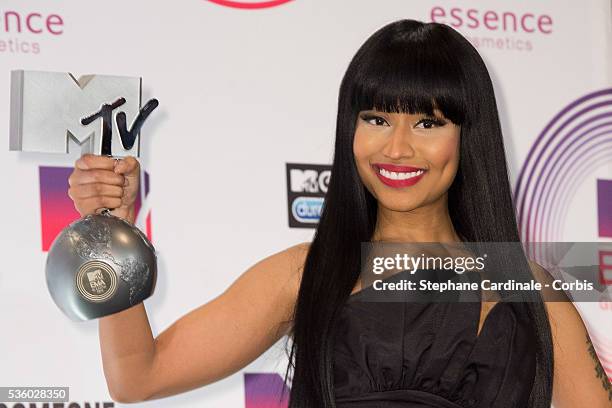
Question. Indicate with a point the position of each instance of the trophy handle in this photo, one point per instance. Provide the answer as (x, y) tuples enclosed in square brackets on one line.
[(105, 210), (126, 134)]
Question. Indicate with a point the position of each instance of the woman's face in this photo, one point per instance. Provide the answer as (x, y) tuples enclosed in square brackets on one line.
[(406, 160)]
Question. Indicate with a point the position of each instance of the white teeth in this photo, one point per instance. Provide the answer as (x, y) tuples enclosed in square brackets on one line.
[(399, 176)]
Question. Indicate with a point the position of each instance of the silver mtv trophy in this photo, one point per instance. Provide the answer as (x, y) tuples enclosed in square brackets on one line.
[(99, 264)]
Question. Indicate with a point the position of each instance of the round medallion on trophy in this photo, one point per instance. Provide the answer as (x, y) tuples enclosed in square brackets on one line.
[(96, 281)]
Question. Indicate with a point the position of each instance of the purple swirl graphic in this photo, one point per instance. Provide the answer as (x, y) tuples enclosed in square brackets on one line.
[(576, 142)]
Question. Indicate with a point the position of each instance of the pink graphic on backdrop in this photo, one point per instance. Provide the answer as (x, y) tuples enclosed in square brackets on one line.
[(605, 267), (604, 207), (573, 144), (57, 209), (250, 4), (263, 390)]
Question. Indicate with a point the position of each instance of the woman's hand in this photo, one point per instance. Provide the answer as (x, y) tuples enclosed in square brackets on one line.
[(103, 182)]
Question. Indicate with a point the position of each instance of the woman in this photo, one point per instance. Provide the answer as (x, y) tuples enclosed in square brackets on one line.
[(419, 157)]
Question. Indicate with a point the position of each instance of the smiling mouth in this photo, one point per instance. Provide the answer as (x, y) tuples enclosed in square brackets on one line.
[(398, 176)]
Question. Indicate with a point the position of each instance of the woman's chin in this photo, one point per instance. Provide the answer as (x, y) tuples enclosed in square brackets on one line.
[(397, 202)]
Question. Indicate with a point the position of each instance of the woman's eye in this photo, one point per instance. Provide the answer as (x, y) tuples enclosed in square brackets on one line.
[(430, 123), (374, 120)]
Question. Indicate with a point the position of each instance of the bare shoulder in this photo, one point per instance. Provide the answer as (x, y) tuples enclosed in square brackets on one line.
[(297, 255), (283, 266), (292, 260), (540, 273), (579, 378), (558, 306), (283, 270)]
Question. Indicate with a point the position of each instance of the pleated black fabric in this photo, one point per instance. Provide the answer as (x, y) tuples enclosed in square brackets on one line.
[(428, 355)]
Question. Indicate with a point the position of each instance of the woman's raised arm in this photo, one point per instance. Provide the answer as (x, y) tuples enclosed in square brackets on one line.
[(206, 344)]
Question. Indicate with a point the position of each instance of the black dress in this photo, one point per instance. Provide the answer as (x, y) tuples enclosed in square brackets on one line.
[(428, 355)]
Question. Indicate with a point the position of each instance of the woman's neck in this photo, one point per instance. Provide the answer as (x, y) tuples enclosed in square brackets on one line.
[(431, 223)]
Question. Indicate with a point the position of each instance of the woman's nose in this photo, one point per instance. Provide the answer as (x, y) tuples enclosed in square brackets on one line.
[(399, 143)]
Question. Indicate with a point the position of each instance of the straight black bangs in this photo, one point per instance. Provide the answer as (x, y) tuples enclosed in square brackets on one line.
[(413, 72)]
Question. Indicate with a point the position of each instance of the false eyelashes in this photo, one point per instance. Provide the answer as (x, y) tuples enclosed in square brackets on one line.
[(429, 119)]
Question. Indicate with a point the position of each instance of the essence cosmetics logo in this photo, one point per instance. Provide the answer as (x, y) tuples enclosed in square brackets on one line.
[(264, 390), (496, 29), (306, 188), (250, 5), (57, 209), (21, 32)]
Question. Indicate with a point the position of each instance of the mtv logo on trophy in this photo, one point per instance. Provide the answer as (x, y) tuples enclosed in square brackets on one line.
[(48, 109), (99, 264)]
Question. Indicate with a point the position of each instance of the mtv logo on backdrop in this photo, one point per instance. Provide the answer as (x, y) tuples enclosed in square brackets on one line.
[(51, 109), (306, 188), (309, 180)]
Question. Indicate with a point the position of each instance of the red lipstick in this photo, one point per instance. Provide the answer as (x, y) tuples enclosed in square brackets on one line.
[(389, 171)]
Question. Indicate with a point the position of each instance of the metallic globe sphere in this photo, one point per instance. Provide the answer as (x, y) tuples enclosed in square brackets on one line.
[(100, 265)]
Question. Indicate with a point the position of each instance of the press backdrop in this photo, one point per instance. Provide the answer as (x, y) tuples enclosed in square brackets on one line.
[(248, 95)]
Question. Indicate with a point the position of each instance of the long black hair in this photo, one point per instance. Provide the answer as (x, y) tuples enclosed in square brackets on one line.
[(414, 67)]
